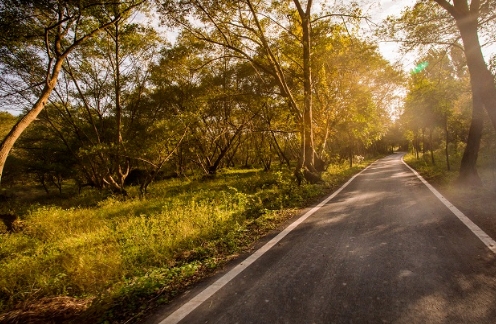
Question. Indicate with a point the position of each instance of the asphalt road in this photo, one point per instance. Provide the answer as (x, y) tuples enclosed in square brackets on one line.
[(384, 250)]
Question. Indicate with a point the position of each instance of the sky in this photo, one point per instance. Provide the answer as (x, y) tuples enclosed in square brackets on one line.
[(391, 50), (377, 11)]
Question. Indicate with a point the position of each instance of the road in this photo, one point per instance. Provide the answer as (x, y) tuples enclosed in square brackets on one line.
[(383, 250)]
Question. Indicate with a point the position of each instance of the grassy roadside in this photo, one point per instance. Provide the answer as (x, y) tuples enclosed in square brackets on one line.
[(437, 173), (112, 260), (477, 203)]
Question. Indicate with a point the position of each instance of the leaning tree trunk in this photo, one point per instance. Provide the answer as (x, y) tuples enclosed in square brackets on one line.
[(483, 95), (26, 120), (59, 57), (481, 79)]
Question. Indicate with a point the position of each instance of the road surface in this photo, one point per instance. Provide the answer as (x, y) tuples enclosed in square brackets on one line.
[(383, 250)]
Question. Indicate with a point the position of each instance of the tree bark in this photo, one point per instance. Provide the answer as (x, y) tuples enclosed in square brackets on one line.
[(468, 167), (446, 133), (308, 151), (16, 131)]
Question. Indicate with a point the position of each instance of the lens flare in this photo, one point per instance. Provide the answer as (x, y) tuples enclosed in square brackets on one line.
[(419, 68)]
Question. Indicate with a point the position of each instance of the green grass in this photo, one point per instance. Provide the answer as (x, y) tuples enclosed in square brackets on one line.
[(122, 255), (439, 174)]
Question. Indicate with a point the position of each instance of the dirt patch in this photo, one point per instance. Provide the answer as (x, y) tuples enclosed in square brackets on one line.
[(47, 310)]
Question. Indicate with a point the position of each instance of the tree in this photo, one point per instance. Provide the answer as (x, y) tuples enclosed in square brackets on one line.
[(354, 88), (253, 32), (469, 18), (46, 33), (433, 95), (216, 97), (442, 25)]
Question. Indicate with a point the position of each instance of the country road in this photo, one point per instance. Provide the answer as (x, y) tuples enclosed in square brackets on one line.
[(385, 249)]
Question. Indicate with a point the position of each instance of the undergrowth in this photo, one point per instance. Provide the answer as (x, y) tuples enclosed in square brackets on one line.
[(437, 173), (123, 256)]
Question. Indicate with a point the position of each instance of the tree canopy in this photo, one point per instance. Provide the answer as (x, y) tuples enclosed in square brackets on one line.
[(242, 84)]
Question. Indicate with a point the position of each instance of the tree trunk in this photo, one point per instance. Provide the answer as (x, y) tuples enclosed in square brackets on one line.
[(279, 150), (446, 133), (24, 122), (481, 79), (416, 144), (431, 147), (122, 167), (468, 167), (483, 95), (423, 142), (308, 151)]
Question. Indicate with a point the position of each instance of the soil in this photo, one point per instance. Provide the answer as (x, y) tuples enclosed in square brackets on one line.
[(47, 310)]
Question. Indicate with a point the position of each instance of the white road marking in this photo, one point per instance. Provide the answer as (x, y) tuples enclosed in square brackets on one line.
[(486, 239), (196, 301)]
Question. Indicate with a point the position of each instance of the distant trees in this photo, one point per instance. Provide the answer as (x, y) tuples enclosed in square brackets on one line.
[(36, 39), (441, 24), (248, 85), (354, 88), (279, 42), (433, 101)]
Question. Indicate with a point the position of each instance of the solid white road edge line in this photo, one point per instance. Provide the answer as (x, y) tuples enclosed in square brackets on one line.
[(196, 301), (486, 239)]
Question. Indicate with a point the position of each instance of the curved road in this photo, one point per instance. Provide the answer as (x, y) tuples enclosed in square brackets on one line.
[(383, 250)]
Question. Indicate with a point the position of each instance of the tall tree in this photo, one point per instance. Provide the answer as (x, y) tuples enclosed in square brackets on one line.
[(252, 31), (102, 95), (443, 23), (469, 17), (46, 32)]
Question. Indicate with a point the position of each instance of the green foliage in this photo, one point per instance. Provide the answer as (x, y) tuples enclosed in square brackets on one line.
[(120, 251), (439, 174), (435, 173), (7, 121)]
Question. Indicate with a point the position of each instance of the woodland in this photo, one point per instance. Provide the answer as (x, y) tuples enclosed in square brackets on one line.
[(163, 137)]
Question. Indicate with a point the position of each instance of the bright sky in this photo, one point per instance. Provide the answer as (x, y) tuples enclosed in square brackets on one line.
[(378, 11), (391, 50)]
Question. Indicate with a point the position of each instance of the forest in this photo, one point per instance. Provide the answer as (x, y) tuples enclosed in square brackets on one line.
[(163, 137)]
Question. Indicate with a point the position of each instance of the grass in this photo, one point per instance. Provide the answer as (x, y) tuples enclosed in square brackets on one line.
[(439, 174), (104, 259)]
